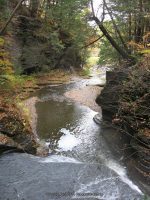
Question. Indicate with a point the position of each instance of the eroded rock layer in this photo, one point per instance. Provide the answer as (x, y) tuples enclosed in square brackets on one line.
[(125, 103), (15, 133)]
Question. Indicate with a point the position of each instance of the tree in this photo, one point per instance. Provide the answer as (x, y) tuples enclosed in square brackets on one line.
[(131, 24), (115, 26), (125, 55), (134, 17), (34, 6), (11, 16)]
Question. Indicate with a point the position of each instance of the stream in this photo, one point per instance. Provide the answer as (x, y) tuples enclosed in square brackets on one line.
[(81, 164)]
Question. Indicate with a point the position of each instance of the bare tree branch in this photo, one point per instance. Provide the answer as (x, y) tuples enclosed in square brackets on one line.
[(93, 11), (103, 15), (93, 41)]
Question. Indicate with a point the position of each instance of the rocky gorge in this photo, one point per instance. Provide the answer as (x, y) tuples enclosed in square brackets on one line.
[(74, 100), (125, 104), (74, 137)]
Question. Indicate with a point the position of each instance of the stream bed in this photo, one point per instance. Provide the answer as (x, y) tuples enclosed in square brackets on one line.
[(81, 165)]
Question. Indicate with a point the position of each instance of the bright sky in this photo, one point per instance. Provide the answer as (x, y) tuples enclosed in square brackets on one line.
[(97, 3), (99, 9)]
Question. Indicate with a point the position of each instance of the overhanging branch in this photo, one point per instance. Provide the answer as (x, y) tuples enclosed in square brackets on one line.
[(93, 42)]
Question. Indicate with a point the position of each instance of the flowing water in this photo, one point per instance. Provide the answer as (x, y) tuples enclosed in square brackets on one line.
[(81, 165)]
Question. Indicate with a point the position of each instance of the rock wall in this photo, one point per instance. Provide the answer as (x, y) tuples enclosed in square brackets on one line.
[(42, 47), (125, 103), (109, 97), (15, 132)]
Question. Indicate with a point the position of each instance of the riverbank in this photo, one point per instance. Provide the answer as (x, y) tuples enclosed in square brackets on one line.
[(18, 113), (16, 132), (86, 96)]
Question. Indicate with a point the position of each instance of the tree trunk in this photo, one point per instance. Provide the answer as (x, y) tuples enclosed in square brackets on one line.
[(125, 55), (115, 26), (139, 31), (34, 7), (130, 26), (10, 18)]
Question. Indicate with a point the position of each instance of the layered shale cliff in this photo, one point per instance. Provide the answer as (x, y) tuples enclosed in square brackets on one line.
[(125, 102)]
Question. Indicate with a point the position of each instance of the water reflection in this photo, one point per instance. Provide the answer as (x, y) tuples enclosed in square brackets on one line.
[(65, 125), (52, 116)]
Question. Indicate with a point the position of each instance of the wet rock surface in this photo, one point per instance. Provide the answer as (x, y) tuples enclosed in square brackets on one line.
[(98, 118), (57, 177)]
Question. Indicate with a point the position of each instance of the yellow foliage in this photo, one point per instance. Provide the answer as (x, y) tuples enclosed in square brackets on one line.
[(136, 46), (3, 54), (143, 47), (5, 67), (2, 42), (4, 63), (146, 51), (146, 39)]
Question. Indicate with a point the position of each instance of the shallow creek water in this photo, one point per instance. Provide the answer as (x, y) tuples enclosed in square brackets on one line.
[(81, 164)]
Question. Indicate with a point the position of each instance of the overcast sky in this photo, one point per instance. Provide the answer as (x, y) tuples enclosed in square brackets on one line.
[(97, 2), (99, 10)]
